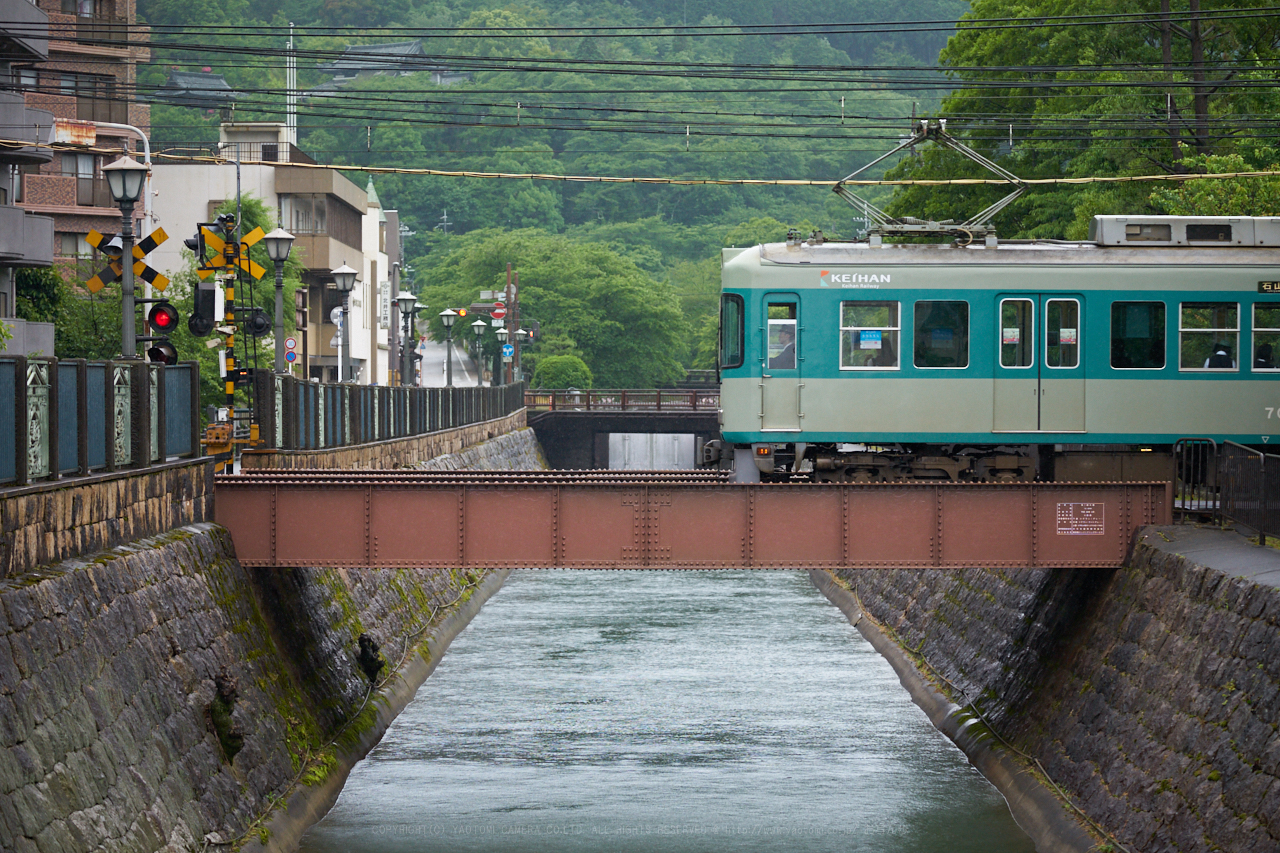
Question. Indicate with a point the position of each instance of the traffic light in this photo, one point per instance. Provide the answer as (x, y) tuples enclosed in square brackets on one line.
[(201, 320), (162, 319), (257, 323)]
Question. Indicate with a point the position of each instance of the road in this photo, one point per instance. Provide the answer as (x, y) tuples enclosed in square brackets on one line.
[(433, 374)]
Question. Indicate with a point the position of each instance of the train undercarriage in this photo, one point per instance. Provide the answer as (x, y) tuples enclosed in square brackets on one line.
[(866, 463)]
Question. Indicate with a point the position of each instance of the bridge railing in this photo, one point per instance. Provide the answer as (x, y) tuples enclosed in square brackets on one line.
[(1249, 484), (296, 415), (71, 417), (624, 400)]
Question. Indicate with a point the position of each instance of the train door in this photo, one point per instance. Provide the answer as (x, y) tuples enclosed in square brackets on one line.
[(780, 383), (1039, 371)]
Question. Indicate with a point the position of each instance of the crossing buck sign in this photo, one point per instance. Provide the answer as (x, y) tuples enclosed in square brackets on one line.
[(111, 246), (229, 254)]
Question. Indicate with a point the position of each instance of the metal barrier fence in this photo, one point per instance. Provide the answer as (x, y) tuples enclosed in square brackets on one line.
[(297, 415), (1249, 488), (1196, 469), (70, 417), (625, 400)]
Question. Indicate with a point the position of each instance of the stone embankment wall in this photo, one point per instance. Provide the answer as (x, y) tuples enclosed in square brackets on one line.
[(392, 453), (160, 696), (49, 522), (1148, 693), (515, 451)]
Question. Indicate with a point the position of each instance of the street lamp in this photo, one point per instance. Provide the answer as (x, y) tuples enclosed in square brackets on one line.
[(279, 242), (448, 316), (344, 278), (125, 178), (521, 337), (502, 334), (407, 303), (478, 327)]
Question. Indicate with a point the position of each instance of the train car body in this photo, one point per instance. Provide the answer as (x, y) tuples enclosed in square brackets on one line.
[(1001, 360)]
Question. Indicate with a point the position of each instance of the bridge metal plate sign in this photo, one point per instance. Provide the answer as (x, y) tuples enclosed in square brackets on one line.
[(652, 520)]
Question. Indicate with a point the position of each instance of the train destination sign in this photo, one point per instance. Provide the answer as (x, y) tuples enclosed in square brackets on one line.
[(1269, 287)]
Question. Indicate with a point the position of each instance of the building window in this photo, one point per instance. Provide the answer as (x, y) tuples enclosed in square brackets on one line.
[(1208, 336), (73, 245), (941, 334), (1266, 335), (1137, 335), (869, 335)]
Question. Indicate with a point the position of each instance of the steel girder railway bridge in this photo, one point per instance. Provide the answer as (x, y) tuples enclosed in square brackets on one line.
[(674, 520)]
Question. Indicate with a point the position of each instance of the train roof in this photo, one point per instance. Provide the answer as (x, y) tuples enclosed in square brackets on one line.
[(1145, 240)]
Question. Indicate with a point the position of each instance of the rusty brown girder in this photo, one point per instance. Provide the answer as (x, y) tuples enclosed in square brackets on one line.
[(673, 520)]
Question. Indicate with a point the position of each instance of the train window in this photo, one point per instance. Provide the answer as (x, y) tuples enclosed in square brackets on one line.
[(1062, 333), (942, 334), (1137, 335), (782, 336), (731, 330), (1208, 336), (869, 335), (1017, 333), (1266, 336)]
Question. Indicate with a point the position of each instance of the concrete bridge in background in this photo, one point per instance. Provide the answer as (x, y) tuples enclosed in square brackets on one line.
[(623, 429)]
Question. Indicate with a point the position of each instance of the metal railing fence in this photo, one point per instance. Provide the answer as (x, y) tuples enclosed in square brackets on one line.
[(1249, 488), (1195, 463), (297, 415), (71, 417), (624, 400)]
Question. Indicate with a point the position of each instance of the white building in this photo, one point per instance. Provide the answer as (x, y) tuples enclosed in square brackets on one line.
[(332, 221)]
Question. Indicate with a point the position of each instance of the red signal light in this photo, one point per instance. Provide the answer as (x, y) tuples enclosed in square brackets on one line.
[(162, 317)]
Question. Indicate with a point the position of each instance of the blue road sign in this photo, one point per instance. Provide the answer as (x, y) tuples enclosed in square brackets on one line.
[(508, 350)]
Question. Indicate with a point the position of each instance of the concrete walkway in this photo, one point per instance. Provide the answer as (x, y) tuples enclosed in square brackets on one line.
[(1224, 550)]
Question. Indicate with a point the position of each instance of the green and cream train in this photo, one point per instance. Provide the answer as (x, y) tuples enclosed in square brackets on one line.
[(1000, 359)]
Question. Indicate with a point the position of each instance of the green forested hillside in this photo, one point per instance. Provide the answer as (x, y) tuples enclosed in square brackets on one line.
[(747, 90)]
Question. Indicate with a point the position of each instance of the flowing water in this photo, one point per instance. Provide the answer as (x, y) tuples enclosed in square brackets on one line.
[(664, 711)]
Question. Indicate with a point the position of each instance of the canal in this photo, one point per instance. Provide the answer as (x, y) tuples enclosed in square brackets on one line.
[(673, 711)]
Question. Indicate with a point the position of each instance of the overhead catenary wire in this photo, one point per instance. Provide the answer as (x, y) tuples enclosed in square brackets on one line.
[(672, 181)]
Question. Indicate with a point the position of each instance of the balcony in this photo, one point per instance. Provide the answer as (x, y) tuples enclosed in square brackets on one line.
[(104, 31), (17, 121), (25, 36), (25, 240), (265, 152)]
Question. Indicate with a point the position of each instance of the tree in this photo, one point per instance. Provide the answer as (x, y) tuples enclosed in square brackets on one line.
[(562, 371)]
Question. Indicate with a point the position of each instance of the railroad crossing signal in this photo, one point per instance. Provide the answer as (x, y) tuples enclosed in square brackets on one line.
[(111, 246), (230, 254)]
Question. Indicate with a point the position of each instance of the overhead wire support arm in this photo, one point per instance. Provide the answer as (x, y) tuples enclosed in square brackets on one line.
[(881, 223)]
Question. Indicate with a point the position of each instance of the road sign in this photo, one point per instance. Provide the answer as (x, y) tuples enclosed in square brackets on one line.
[(508, 350), (291, 356), (499, 311), (335, 316), (290, 343)]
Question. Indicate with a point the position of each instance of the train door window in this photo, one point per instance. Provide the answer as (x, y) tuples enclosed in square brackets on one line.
[(1061, 332), (941, 334), (731, 331), (1208, 336), (869, 335), (782, 336), (1017, 333), (1266, 336), (1137, 335)]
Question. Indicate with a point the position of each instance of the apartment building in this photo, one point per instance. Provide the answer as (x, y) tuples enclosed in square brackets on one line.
[(334, 222), (26, 239), (89, 75)]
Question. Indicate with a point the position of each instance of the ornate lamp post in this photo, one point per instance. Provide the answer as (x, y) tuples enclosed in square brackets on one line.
[(279, 243), (478, 327), (521, 338), (344, 279), (125, 178), (503, 334), (408, 304), (448, 316)]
